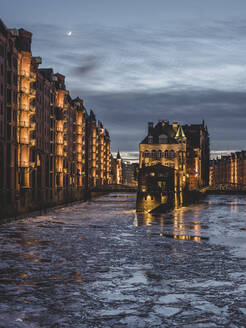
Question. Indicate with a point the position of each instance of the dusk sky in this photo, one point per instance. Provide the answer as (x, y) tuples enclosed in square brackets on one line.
[(136, 61)]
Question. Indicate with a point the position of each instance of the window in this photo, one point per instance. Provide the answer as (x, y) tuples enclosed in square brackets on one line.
[(146, 154), (9, 96), (166, 153), (1, 50), (159, 153), (153, 154), (163, 138), (171, 154), (150, 139)]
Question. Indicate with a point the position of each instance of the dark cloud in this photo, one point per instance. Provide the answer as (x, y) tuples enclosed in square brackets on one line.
[(126, 114), (88, 64), (183, 71)]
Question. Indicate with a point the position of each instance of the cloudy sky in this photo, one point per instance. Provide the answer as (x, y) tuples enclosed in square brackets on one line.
[(135, 61)]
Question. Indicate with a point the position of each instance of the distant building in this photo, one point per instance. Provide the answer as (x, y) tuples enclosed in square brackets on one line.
[(116, 167), (129, 174), (228, 169)]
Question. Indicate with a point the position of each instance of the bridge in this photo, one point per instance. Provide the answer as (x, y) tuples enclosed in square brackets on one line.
[(216, 189), (115, 188), (227, 188)]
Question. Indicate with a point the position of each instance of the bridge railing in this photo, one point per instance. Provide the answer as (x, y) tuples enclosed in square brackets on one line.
[(228, 187)]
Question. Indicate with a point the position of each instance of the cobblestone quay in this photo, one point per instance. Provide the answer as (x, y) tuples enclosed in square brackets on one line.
[(98, 264)]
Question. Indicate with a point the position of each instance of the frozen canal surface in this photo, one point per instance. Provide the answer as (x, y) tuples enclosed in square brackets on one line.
[(98, 264)]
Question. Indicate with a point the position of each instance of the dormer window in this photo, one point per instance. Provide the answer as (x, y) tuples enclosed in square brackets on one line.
[(163, 139), (150, 139)]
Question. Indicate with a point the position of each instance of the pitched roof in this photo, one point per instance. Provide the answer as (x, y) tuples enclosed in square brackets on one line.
[(161, 128)]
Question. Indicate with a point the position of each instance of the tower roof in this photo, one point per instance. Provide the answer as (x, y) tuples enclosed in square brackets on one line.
[(118, 154), (180, 133)]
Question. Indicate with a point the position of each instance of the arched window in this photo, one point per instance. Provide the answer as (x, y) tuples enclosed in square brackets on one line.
[(166, 153), (146, 154), (181, 158), (172, 153), (163, 139), (154, 154), (159, 153)]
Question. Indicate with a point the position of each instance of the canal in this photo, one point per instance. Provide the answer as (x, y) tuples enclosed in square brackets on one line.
[(99, 264)]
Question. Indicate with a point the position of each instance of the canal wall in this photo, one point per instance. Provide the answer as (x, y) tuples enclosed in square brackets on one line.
[(26, 202), (40, 208)]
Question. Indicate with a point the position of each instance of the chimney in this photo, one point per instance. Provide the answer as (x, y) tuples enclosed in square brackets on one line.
[(175, 126), (150, 126), (24, 40)]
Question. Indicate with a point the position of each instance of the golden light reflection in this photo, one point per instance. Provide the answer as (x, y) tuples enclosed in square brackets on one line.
[(183, 237), (30, 255), (28, 283), (78, 280), (234, 207), (177, 224)]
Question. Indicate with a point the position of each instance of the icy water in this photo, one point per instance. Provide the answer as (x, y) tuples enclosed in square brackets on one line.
[(99, 264)]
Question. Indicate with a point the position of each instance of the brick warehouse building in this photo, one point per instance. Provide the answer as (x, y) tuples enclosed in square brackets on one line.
[(229, 169), (51, 149), (183, 149)]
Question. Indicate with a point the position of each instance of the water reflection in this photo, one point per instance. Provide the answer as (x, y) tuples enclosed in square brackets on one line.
[(183, 223), (184, 237)]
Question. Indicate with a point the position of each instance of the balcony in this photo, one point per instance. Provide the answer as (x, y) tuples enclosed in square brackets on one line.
[(24, 141), (33, 76), (79, 130), (32, 108), (24, 90), (32, 92), (29, 75), (24, 108), (23, 164), (33, 125), (33, 142), (23, 124), (59, 153), (59, 141)]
